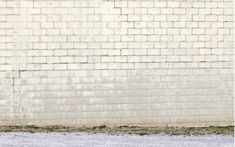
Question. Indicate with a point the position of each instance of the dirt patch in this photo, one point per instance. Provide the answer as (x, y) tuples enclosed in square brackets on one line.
[(228, 130)]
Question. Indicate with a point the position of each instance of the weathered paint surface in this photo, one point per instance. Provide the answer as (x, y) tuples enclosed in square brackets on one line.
[(116, 62)]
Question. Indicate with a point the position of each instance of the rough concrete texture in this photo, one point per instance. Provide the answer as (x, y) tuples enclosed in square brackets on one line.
[(116, 62), (105, 140)]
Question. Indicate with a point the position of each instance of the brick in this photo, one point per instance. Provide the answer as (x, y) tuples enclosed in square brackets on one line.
[(120, 4), (46, 66), (134, 4), (101, 66), (134, 59), (60, 66), (67, 4), (158, 4), (5, 67), (127, 11), (94, 59), (26, 4), (133, 17)]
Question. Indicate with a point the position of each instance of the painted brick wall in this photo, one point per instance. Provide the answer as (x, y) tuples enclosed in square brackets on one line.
[(116, 62)]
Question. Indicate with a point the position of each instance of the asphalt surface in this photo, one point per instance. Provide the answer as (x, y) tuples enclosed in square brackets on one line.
[(106, 140)]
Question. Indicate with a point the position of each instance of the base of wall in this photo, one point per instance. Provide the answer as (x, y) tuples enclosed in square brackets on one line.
[(126, 129), (79, 124)]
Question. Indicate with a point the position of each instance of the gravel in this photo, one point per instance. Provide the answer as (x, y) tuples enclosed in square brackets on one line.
[(106, 140)]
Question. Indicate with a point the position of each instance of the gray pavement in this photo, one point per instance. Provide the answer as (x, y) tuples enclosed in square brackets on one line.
[(106, 140)]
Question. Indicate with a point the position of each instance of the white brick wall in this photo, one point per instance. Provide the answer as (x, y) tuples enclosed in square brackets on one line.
[(114, 62)]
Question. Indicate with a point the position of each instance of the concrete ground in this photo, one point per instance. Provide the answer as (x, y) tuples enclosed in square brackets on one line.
[(105, 140)]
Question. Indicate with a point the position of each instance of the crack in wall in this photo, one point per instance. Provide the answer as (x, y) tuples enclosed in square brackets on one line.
[(16, 72), (16, 96)]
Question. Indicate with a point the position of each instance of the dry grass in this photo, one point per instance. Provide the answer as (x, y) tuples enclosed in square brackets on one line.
[(227, 130)]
